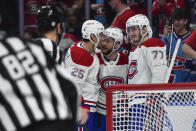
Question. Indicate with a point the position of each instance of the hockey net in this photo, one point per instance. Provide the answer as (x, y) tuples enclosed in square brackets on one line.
[(151, 107)]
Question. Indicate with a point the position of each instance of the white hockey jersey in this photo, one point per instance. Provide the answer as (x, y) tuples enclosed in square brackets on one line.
[(147, 63), (110, 73), (84, 68)]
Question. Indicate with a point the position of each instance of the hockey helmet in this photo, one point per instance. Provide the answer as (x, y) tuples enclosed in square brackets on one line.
[(139, 20), (92, 27), (114, 33)]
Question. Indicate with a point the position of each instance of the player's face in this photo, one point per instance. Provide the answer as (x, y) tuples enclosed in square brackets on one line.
[(107, 45), (134, 35), (179, 24)]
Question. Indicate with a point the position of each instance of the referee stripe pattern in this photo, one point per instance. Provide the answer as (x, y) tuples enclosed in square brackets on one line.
[(29, 92)]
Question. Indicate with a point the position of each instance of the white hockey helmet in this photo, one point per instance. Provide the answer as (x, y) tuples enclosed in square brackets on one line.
[(114, 33), (92, 27), (139, 20)]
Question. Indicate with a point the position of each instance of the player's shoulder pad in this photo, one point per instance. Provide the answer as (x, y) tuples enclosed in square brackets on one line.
[(153, 42), (123, 59), (80, 56), (100, 58)]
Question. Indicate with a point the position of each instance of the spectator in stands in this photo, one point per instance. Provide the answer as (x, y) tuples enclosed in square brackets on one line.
[(138, 6), (50, 28), (74, 23), (123, 14), (183, 67), (189, 46), (162, 10), (35, 93)]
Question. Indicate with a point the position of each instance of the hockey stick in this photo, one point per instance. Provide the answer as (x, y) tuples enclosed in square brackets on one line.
[(170, 46), (172, 61)]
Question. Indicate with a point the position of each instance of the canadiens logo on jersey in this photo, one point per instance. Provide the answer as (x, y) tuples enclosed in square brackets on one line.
[(110, 80), (179, 63), (132, 69)]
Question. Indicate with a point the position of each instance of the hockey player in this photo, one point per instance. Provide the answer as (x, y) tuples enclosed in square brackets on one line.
[(50, 28), (147, 63), (82, 63), (113, 70)]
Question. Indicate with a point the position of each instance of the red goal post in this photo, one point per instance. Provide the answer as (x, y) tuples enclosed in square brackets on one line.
[(151, 107)]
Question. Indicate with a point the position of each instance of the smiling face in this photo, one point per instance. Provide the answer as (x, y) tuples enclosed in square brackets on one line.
[(134, 34), (180, 24)]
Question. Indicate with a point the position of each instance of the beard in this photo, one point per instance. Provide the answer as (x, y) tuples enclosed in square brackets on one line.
[(107, 52)]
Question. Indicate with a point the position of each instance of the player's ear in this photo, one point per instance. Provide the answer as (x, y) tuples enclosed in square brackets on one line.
[(93, 38), (117, 45), (144, 30)]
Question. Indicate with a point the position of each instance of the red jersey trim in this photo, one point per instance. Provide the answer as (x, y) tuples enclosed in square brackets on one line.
[(153, 42), (123, 59), (80, 56)]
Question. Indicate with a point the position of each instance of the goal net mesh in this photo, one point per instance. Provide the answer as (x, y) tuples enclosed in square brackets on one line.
[(142, 108)]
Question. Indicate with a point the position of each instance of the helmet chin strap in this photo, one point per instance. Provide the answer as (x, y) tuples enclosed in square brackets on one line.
[(95, 43), (111, 51), (141, 38)]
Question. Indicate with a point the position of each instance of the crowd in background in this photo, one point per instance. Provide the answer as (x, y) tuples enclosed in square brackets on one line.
[(73, 11), (172, 20)]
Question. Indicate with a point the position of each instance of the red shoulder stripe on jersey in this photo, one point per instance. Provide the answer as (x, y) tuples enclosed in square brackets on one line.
[(153, 42), (81, 56), (101, 62), (123, 59)]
